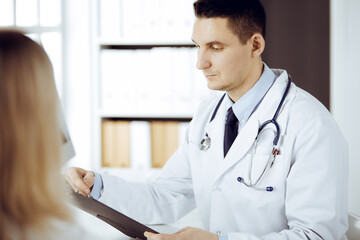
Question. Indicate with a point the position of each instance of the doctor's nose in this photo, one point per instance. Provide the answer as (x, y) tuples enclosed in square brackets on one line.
[(203, 61)]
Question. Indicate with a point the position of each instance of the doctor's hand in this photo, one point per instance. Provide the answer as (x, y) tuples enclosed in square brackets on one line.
[(80, 180), (187, 233)]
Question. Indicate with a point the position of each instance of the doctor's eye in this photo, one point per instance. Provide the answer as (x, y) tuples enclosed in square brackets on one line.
[(216, 48)]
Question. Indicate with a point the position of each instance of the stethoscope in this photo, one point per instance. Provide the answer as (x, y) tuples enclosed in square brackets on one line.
[(206, 143)]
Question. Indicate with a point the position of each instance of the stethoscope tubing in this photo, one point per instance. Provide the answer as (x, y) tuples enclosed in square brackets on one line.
[(273, 120), (206, 142)]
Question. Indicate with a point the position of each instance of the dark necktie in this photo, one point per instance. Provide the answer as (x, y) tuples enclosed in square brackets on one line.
[(231, 130)]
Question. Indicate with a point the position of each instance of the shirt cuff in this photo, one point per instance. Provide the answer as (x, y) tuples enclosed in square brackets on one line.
[(97, 187), (222, 237)]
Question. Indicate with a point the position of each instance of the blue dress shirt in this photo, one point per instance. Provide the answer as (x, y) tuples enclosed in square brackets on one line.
[(248, 103)]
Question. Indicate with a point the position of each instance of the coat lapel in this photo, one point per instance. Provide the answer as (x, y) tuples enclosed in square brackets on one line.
[(215, 130), (248, 133)]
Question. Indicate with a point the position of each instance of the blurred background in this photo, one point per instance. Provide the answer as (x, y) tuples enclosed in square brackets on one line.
[(126, 76)]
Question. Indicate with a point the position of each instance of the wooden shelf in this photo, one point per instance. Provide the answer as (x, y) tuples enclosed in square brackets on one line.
[(144, 46), (148, 118)]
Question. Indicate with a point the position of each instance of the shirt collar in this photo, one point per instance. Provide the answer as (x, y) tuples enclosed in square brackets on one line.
[(247, 104)]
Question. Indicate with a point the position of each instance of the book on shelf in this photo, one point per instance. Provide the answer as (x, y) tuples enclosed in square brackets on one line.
[(164, 141), (115, 144)]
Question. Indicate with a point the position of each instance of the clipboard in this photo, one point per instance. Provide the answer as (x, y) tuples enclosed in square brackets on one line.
[(121, 222)]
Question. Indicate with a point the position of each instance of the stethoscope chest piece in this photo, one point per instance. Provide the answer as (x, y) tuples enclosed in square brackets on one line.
[(205, 143)]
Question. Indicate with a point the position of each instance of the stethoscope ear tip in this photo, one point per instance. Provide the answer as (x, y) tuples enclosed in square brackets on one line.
[(269, 189)]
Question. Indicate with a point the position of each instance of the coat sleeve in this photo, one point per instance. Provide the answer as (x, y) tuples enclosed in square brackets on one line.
[(316, 185), (164, 200)]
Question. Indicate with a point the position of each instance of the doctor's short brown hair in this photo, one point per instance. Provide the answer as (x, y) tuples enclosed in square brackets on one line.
[(245, 17)]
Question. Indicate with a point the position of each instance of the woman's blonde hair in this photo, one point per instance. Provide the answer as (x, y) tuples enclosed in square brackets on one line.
[(31, 186)]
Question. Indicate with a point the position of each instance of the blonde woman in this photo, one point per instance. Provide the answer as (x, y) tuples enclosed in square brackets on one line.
[(32, 204)]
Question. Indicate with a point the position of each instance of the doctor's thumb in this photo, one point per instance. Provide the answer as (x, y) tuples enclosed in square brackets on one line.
[(149, 235), (89, 179)]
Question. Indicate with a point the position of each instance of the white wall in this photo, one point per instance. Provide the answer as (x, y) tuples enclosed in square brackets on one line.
[(345, 85), (78, 78)]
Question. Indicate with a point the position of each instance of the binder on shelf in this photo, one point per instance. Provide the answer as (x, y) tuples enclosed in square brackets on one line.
[(124, 87), (115, 143), (110, 19), (164, 141)]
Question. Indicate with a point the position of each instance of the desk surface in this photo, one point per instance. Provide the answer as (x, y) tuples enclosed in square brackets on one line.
[(102, 230)]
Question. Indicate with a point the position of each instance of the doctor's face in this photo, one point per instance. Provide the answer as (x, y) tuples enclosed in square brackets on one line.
[(227, 64)]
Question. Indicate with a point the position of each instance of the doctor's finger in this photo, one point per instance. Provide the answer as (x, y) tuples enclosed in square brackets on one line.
[(79, 191), (155, 236), (67, 178), (89, 178), (76, 189), (185, 229), (81, 186), (75, 178)]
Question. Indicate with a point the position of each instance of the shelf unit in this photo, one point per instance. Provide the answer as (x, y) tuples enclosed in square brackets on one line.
[(142, 78), (144, 45)]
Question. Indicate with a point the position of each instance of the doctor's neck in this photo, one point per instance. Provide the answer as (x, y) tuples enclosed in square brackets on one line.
[(248, 81)]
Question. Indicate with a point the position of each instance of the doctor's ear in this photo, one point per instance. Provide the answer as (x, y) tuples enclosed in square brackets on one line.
[(258, 44)]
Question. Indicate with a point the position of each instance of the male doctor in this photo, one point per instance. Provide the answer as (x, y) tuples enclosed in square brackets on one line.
[(283, 180)]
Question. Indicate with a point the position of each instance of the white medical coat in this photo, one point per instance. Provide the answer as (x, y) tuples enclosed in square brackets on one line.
[(309, 176)]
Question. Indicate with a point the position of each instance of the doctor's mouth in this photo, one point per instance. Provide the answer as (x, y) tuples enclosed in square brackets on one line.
[(209, 76), (210, 72)]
